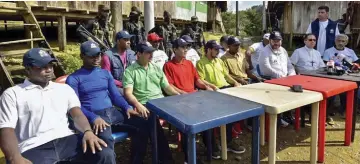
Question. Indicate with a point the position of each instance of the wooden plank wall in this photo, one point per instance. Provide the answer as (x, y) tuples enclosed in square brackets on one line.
[(304, 12)]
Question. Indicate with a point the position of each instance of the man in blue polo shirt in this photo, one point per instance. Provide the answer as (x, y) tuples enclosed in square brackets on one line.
[(98, 93)]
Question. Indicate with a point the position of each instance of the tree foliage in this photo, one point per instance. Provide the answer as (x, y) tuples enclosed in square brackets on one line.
[(250, 21)]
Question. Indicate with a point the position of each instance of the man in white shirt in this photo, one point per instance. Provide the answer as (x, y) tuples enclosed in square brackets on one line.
[(223, 43), (339, 52), (159, 57), (324, 30), (34, 119), (307, 58), (191, 53), (254, 51), (273, 60)]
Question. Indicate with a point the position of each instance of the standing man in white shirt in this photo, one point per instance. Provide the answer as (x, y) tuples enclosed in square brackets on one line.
[(307, 58), (340, 52), (159, 57), (324, 30), (274, 60), (224, 45), (34, 120), (254, 51)]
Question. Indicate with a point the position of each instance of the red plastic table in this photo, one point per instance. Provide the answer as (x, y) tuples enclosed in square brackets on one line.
[(329, 88)]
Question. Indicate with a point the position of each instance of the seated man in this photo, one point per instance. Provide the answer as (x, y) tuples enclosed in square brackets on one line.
[(191, 53), (254, 51), (274, 60), (213, 70), (118, 58), (144, 81), (182, 76), (338, 53), (237, 64), (97, 92), (34, 120), (223, 43), (307, 58), (159, 57)]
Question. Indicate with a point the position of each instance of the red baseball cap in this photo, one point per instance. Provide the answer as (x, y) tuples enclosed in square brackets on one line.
[(153, 37)]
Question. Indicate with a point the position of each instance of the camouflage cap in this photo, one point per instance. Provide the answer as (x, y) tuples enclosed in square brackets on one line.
[(136, 9), (167, 14), (194, 18)]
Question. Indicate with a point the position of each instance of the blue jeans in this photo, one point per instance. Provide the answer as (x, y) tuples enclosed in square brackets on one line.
[(67, 149)]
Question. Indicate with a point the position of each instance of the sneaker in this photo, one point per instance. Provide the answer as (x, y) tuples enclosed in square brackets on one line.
[(216, 154), (330, 121), (284, 123), (235, 148)]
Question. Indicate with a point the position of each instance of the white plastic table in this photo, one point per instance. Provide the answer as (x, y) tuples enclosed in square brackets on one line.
[(279, 99)]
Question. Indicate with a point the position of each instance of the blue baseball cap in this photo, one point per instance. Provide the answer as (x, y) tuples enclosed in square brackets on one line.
[(145, 47), (187, 38), (90, 48), (213, 44), (233, 40), (123, 35), (224, 39), (180, 43), (37, 57)]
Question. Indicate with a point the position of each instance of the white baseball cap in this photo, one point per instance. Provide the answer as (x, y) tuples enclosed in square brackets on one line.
[(266, 36)]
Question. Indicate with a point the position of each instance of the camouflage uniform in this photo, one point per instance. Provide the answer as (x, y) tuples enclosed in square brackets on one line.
[(135, 27), (168, 32), (100, 27), (196, 33)]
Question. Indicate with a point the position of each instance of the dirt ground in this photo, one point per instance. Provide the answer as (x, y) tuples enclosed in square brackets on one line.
[(292, 147)]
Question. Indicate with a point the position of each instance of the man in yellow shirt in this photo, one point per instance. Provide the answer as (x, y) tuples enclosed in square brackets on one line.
[(213, 70), (235, 61)]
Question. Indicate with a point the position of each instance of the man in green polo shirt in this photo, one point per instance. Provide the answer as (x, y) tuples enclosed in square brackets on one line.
[(213, 70), (144, 81)]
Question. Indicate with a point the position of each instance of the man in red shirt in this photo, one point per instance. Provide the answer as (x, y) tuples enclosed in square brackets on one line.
[(181, 73), (183, 77)]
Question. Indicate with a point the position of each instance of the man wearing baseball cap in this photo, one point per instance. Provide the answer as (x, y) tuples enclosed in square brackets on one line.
[(237, 64), (159, 57), (254, 52), (118, 58), (191, 53), (274, 62), (98, 95), (34, 119), (144, 81)]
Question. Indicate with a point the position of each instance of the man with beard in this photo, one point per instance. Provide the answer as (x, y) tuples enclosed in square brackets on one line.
[(307, 58), (118, 58), (98, 95), (100, 27), (237, 64), (135, 27), (34, 120), (274, 62)]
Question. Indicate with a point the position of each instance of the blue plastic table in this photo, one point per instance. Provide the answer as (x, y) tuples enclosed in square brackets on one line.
[(203, 110)]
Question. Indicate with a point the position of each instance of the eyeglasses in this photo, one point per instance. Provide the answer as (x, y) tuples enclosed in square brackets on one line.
[(312, 40)]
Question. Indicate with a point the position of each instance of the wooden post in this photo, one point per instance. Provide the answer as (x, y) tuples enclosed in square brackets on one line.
[(117, 18), (32, 42), (62, 32)]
